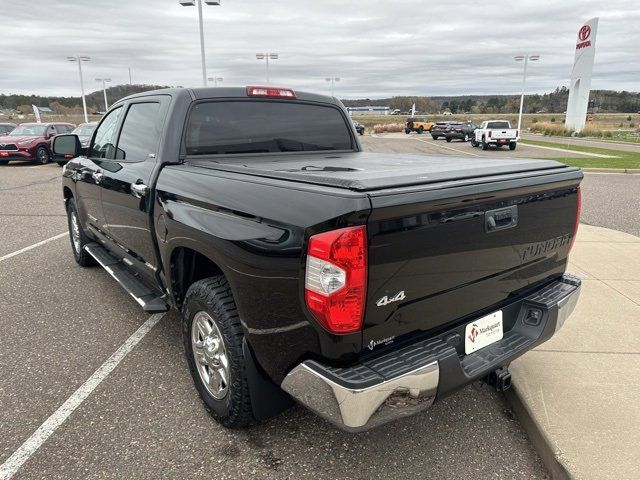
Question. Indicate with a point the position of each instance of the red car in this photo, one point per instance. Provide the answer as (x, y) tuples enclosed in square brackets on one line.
[(31, 142)]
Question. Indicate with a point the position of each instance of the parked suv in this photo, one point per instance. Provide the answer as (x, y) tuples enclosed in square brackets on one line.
[(31, 141), (460, 130), (418, 124), (440, 129)]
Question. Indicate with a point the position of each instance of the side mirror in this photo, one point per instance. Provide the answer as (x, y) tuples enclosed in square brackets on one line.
[(66, 147)]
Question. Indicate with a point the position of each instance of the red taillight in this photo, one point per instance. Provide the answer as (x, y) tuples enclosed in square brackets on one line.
[(489, 134), (274, 92), (336, 278), (68, 155), (577, 222)]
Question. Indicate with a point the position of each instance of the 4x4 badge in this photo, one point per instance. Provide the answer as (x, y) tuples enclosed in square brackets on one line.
[(384, 301)]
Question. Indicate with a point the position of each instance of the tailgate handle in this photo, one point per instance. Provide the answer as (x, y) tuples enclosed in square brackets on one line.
[(501, 218)]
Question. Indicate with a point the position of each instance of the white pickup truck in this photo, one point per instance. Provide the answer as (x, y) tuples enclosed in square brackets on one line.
[(496, 133)]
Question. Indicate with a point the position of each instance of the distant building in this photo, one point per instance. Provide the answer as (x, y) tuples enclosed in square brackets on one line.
[(368, 110)]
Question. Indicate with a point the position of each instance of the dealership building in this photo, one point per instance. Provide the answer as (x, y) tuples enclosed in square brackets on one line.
[(368, 110)]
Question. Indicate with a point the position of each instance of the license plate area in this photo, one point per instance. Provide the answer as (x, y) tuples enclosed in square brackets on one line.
[(483, 332)]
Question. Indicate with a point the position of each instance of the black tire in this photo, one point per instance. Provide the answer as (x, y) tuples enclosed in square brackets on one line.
[(512, 146), (61, 164), (485, 145), (435, 137), (448, 139), (420, 130), (407, 131), (213, 296), (81, 257), (4, 162), (42, 155), (361, 132)]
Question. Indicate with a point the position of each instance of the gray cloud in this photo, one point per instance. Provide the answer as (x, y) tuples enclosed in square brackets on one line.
[(378, 48)]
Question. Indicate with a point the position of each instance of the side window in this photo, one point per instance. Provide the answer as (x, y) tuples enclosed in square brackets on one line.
[(51, 130), (103, 145), (140, 133)]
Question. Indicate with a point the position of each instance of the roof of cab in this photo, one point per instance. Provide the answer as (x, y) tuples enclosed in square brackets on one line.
[(227, 92)]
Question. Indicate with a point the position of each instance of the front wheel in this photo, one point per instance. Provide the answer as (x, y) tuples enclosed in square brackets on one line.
[(42, 155), (212, 337), (420, 130), (77, 236), (512, 146), (435, 137), (448, 139), (407, 131)]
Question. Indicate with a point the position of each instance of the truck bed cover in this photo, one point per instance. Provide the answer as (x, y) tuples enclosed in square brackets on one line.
[(366, 171)]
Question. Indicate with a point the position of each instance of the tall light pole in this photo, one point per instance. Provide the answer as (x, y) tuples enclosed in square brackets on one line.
[(104, 90), (332, 80), (193, 3), (526, 58), (80, 59), (267, 57), (130, 83), (215, 80)]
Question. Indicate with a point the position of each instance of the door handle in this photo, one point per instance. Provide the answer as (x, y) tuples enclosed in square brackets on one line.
[(501, 219), (139, 190), (97, 176)]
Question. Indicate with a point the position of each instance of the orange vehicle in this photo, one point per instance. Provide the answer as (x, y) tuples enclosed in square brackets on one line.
[(418, 124)]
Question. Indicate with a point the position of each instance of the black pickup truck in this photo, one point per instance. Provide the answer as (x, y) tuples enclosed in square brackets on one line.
[(365, 286)]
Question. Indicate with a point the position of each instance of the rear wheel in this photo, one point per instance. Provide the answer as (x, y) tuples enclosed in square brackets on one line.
[(485, 145), (42, 155), (60, 164), (448, 139), (213, 345), (435, 137), (4, 162), (420, 130), (512, 146), (77, 236), (407, 131)]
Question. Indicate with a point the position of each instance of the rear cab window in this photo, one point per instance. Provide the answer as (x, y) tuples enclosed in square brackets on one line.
[(257, 126), (498, 125)]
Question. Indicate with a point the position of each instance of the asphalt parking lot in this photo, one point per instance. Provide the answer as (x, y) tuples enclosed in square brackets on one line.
[(60, 323)]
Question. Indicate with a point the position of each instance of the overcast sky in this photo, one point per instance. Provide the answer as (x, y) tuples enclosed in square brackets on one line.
[(377, 48)]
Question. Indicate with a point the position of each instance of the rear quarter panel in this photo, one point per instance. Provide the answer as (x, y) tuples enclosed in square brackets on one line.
[(256, 231)]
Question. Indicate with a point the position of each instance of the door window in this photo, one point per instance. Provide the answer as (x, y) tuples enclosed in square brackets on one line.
[(140, 133), (103, 145)]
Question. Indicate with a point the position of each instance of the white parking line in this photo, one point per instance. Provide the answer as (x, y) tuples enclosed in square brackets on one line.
[(444, 146), (51, 424), (31, 247)]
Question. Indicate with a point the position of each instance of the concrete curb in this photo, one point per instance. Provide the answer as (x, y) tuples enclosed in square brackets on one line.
[(630, 171), (549, 452)]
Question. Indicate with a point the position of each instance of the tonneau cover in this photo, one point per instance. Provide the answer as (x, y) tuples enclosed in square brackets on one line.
[(365, 171)]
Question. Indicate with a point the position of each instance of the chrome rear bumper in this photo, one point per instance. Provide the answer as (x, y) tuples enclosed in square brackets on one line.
[(357, 409), (403, 382)]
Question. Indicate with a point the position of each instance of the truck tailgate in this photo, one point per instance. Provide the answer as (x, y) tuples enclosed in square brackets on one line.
[(438, 257), (497, 133)]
